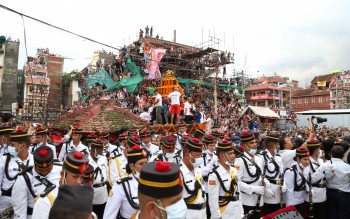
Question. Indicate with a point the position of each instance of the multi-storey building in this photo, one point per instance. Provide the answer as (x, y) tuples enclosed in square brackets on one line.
[(340, 91), (42, 89), (270, 92), (9, 51)]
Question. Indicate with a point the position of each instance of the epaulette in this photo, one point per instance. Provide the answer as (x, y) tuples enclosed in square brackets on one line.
[(277, 155), (124, 179)]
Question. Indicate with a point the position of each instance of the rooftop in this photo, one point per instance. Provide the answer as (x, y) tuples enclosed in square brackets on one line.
[(102, 115), (327, 78)]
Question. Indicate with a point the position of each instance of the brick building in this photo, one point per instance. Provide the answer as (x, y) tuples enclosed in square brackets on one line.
[(313, 98)]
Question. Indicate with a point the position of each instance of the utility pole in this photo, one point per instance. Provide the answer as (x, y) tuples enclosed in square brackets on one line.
[(216, 98)]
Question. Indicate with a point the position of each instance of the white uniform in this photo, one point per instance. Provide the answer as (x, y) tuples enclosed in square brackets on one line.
[(245, 181), (117, 168), (118, 201), (273, 175), (287, 158), (318, 181), (43, 205), (234, 207), (32, 148), (24, 198), (295, 191), (100, 187), (189, 181), (68, 147), (8, 176)]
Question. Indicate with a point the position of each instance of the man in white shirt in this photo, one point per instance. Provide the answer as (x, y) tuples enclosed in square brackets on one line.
[(158, 105), (145, 115), (187, 111), (174, 98), (338, 186), (74, 145)]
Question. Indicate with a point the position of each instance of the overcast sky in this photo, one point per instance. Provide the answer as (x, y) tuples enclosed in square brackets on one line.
[(298, 39)]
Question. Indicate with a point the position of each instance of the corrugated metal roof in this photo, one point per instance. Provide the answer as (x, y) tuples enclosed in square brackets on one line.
[(262, 111)]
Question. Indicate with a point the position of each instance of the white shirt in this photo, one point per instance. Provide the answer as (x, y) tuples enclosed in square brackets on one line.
[(159, 103), (100, 193), (207, 167), (234, 209), (152, 148), (72, 147), (117, 201), (248, 197), (341, 178), (43, 205), (175, 97), (146, 116), (187, 109), (23, 197)]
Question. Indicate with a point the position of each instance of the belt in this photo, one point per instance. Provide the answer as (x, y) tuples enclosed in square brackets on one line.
[(274, 181), (229, 198), (196, 206), (337, 190), (323, 185), (6, 192), (99, 185), (29, 211)]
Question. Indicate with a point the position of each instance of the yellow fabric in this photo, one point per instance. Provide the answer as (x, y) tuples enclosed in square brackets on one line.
[(117, 161), (134, 215), (159, 184), (233, 175), (49, 196)]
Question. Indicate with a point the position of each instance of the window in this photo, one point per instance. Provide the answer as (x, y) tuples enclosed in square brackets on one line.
[(19, 80), (293, 101), (327, 99), (19, 93), (299, 101), (306, 100), (320, 99), (312, 100)]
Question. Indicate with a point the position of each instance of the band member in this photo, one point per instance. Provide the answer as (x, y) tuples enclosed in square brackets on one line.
[(295, 180), (146, 143), (224, 201), (90, 138), (107, 146), (123, 198), (160, 192), (192, 179), (249, 174), (41, 140), (12, 163), (5, 138), (273, 173), (318, 180), (74, 145), (32, 182), (180, 134), (167, 152)]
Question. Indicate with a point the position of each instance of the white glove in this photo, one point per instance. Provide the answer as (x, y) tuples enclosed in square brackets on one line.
[(214, 160), (258, 190), (284, 188), (267, 183), (269, 193)]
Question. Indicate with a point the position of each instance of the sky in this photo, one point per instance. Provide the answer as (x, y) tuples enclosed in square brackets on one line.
[(297, 39)]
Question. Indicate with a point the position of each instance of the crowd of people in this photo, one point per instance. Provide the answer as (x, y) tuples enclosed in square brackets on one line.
[(135, 173)]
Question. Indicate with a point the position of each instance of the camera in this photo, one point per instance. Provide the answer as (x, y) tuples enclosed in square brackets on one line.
[(319, 119)]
